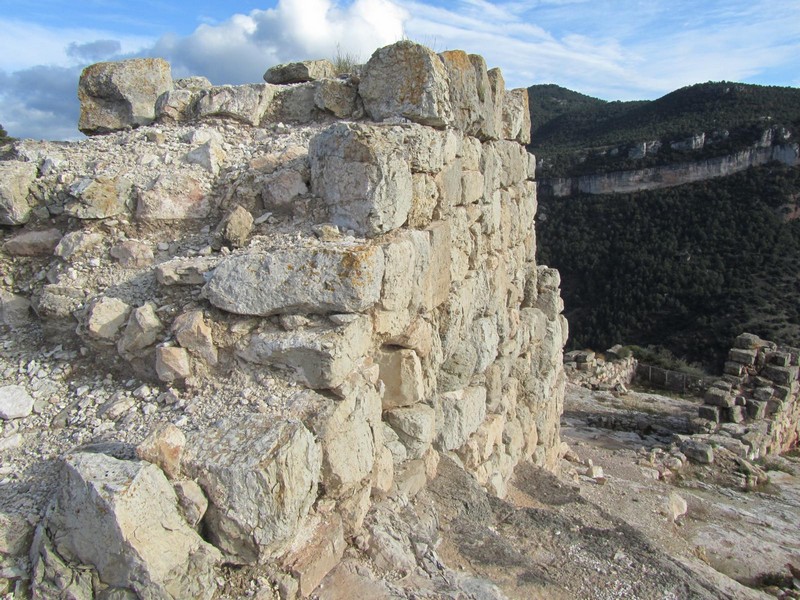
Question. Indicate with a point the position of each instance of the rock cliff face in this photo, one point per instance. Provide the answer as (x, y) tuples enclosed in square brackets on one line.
[(622, 182), (325, 285)]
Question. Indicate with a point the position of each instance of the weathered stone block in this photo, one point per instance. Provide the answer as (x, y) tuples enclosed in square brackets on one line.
[(173, 196), (697, 451), (710, 413), (76, 242), (33, 243), (16, 179), (337, 97), (401, 373), (406, 80), (415, 426), (120, 95), (121, 520), (141, 331), (318, 279), (517, 116), (781, 375), (310, 563), (172, 364), (164, 448), (458, 416), (99, 198), (260, 477), (362, 174), (106, 317), (299, 72), (743, 356), (194, 334), (471, 98), (398, 282), (185, 271), (321, 357), (246, 103), (15, 402)]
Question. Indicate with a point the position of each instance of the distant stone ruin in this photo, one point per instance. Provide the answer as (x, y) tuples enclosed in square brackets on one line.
[(288, 299), (757, 401)]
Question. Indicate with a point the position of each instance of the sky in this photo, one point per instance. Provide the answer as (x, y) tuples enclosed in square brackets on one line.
[(610, 49)]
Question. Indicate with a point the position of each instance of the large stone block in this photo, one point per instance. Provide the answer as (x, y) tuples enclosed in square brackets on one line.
[(260, 476), (317, 279), (173, 196), (517, 116), (246, 103), (471, 95), (16, 179), (398, 277), (363, 176), (401, 373), (415, 426), (458, 416), (120, 95), (300, 72), (120, 519), (321, 358), (310, 563), (406, 80), (99, 198)]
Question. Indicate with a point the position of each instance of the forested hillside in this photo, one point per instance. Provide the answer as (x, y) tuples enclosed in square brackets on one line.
[(687, 268), (575, 134)]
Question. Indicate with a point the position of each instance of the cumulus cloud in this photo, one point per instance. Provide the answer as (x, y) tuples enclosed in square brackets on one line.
[(240, 49), (94, 51)]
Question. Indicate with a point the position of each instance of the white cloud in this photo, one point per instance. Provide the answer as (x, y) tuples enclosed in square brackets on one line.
[(240, 49)]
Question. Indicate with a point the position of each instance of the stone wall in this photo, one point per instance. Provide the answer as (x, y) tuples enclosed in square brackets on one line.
[(333, 281), (758, 399), (607, 372)]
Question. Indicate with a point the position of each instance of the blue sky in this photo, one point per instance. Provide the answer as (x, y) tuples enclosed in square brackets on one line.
[(612, 49)]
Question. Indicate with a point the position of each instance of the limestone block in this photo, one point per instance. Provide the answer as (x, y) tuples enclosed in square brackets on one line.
[(425, 197), (415, 426), (15, 310), (448, 186), (191, 500), (743, 356), (311, 562), (383, 472), (320, 357), (121, 95), (133, 254), (319, 279), (237, 227), (470, 154), (697, 451), (362, 174), (173, 196), (426, 148), (120, 519), (185, 271), (58, 303), (531, 166), (458, 416), (15, 402), (177, 105), (486, 340), (337, 97), (192, 333), (781, 375), (471, 96), (718, 397), (410, 478), (517, 116), (458, 369), (497, 86), (164, 448), (547, 278), (491, 167), (406, 80), (76, 242), (550, 303), (16, 179), (99, 197), (417, 336), (472, 187), (711, 413), (33, 243), (295, 104), (348, 446), (514, 159), (391, 323), (209, 155), (141, 331), (401, 374), (246, 103), (260, 476), (748, 341), (106, 316), (391, 441), (282, 189), (398, 282), (172, 364), (299, 72), (435, 278)]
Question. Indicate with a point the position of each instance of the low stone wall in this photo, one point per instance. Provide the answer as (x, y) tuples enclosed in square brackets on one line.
[(338, 275), (757, 400), (585, 368)]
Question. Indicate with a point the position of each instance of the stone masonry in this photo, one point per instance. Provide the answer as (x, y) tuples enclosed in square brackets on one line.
[(336, 275)]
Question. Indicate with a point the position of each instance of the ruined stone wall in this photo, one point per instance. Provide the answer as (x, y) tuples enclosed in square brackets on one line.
[(328, 285), (587, 369), (758, 399)]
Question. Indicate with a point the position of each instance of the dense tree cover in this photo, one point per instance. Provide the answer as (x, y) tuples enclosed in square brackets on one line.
[(3, 134), (687, 268), (573, 133)]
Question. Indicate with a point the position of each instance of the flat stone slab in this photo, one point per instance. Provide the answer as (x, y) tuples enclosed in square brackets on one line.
[(318, 280), (15, 402)]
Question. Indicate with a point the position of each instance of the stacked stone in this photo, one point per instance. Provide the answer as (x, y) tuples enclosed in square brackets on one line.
[(759, 392), (586, 369), (412, 316)]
